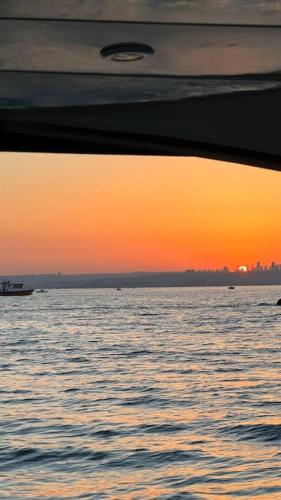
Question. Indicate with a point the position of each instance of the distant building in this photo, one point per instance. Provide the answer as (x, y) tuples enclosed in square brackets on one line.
[(258, 267)]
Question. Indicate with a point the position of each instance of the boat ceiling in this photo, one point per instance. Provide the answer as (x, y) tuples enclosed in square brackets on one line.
[(210, 68), (241, 12)]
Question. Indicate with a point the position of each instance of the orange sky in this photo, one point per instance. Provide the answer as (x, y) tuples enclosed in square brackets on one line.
[(104, 214)]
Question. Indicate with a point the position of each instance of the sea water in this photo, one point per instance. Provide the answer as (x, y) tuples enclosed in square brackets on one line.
[(141, 394)]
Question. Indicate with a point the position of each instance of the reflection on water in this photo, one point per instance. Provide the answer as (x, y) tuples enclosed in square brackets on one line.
[(157, 394)]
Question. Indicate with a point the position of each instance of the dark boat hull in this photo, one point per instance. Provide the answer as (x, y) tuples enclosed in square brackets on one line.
[(16, 293)]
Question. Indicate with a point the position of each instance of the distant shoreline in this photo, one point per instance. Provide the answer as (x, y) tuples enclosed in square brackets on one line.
[(186, 279)]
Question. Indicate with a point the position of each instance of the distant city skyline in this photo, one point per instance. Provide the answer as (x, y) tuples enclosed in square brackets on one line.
[(258, 266), (190, 277)]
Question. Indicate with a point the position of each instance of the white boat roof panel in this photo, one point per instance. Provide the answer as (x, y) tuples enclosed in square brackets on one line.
[(75, 47), (261, 12), (51, 51)]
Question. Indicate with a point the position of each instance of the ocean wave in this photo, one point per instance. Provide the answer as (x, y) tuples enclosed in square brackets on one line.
[(266, 304), (144, 400), (143, 458), (18, 458), (165, 428), (259, 432)]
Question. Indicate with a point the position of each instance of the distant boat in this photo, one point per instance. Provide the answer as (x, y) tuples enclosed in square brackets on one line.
[(231, 288), (7, 288), (42, 291)]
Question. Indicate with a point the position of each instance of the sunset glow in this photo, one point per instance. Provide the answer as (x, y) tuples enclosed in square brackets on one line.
[(243, 269), (77, 214)]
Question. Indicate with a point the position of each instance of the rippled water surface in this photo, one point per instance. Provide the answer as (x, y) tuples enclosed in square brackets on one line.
[(141, 394)]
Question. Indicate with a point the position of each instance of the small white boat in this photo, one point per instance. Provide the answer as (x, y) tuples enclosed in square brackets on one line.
[(7, 288)]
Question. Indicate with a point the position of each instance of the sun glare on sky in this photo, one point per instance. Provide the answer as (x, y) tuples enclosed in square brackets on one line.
[(243, 269), (75, 214)]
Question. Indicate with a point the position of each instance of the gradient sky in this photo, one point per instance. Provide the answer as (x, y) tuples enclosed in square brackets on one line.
[(108, 214)]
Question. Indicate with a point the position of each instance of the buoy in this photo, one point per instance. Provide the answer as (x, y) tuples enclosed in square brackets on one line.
[(278, 303)]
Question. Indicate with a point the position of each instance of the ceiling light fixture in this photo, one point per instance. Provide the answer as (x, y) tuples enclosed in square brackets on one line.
[(127, 52)]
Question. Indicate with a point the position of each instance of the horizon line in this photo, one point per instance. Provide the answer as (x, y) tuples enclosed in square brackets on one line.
[(240, 269)]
